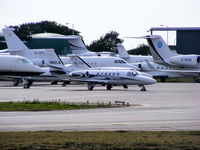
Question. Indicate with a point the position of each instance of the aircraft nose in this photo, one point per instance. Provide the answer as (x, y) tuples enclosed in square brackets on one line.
[(150, 80), (38, 69)]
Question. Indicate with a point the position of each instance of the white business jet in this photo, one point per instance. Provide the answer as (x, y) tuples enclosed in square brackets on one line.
[(146, 64), (46, 58), (186, 65), (18, 67), (109, 76)]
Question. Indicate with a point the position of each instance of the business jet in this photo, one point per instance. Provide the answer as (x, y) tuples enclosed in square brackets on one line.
[(46, 58), (146, 64), (109, 76), (187, 65), (18, 67)]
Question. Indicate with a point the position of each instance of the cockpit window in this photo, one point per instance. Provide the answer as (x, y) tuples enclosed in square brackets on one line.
[(23, 61)]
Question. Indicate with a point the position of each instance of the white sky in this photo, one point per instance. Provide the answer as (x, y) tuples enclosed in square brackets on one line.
[(94, 18)]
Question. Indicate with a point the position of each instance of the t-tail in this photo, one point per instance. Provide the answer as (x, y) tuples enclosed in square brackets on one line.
[(13, 42), (40, 57), (159, 49), (76, 45), (122, 52)]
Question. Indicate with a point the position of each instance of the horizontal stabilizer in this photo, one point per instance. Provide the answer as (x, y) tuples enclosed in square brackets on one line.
[(145, 37), (79, 62)]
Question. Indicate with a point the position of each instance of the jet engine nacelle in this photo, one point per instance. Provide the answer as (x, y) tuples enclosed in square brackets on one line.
[(185, 60), (40, 62)]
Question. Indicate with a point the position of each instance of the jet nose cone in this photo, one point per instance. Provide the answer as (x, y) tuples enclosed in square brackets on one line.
[(38, 69), (150, 80)]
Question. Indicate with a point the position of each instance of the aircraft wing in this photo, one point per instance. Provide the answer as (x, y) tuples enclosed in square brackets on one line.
[(98, 81), (12, 77)]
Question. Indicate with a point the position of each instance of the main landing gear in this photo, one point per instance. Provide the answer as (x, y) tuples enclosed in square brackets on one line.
[(90, 86), (17, 81), (65, 83), (27, 84), (109, 87), (125, 86)]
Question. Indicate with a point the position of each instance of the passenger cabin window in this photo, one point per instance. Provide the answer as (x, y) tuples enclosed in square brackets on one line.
[(120, 61)]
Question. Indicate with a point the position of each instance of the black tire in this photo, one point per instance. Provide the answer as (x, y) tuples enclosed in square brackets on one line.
[(109, 87), (125, 86), (90, 88), (16, 82), (26, 86)]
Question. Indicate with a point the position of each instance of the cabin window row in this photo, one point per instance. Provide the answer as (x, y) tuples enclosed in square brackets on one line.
[(109, 74)]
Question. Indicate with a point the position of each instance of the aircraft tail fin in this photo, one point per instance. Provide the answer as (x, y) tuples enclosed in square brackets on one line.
[(13, 42), (76, 45), (159, 49), (79, 62), (122, 52)]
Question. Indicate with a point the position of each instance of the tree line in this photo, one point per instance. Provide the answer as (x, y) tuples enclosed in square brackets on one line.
[(106, 42)]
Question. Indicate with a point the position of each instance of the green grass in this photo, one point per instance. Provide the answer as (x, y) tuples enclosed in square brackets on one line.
[(190, 80), (101, 140), (43, 106)]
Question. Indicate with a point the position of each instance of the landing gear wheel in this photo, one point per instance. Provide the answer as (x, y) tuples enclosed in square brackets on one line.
[(15, 82), (143, 88), (54, 82), (30, 83), (26, 86), (125, 86), (90, 87), (109, 87), (65, 83)]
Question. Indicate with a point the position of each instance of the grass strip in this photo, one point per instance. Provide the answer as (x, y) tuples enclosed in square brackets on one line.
[(98, 140), (36, 105), (184, 80)]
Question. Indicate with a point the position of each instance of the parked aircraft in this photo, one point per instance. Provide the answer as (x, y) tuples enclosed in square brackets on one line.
[(18, 67), (163, 55), (187, 65), (46, 58), (40, 57), (154, 69), (109, 76)]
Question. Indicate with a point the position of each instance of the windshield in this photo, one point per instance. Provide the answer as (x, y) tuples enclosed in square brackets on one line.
[(24, 61)]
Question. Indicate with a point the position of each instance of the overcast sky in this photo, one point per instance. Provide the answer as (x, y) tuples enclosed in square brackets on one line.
[(94, 18)]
